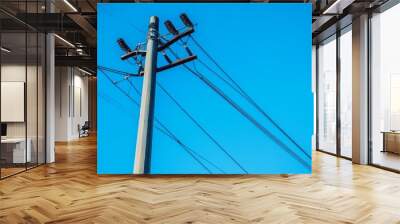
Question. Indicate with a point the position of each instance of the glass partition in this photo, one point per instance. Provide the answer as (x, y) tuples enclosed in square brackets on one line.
[(385, 89), (327, 95), (346, 92), (22, 90), (32, 95), (41, 107), (14, 154)]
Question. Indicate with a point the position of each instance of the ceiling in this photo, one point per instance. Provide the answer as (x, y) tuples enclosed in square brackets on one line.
[(75, 22)]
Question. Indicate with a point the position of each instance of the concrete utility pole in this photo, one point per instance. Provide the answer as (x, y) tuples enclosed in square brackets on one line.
[(142, 158), (145, 129)]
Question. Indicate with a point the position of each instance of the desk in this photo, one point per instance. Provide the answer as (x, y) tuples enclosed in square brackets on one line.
[(391, 141), (13, 150)]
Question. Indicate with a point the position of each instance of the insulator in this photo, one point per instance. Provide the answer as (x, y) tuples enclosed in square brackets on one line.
[(140, 69), (170, 27), (122, 44), (188, 50), (185, 19), (167, 58)]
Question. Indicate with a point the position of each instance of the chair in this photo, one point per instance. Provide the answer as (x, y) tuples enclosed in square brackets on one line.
[(84, 129)]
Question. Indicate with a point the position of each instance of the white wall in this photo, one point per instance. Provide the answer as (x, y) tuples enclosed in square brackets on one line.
[(71, 102), (17, 72), (62, 82), (33, 127)]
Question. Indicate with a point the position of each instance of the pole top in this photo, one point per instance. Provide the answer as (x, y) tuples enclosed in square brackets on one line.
[(153, 28), (154, 20)]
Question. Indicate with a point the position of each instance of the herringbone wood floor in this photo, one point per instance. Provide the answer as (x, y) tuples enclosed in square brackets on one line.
[(69, 191)]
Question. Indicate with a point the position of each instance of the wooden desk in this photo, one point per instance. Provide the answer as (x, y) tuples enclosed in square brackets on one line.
[(13, 150), (391, 141)]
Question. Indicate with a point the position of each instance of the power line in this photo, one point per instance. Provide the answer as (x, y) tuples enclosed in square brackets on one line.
[(248, 117), (186, 148), (243, 93), (174, 137), (190, 151), (153, 47), (201, 127), (170, 134), (244, 113), (116, 71)]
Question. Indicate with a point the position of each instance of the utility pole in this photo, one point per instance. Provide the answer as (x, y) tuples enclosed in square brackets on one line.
[(145, 129), (154, 45)]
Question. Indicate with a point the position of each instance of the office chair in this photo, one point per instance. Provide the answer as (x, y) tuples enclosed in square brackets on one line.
[(84, 130)]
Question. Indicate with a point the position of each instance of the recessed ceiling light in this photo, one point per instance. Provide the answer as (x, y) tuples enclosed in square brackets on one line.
[(337, 7), (5, 49), (64, 40), (84, 71), (70, 5)]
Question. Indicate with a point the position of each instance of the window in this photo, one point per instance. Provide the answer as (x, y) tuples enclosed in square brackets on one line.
[(385, 89), (327, 95), (346, 92)]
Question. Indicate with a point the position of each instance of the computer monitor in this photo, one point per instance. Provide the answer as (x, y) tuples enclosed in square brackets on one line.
[(3, 129)]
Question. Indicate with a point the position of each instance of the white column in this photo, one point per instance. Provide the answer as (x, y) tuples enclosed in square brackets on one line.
[(50, 99), (50, 92), (360, 90)]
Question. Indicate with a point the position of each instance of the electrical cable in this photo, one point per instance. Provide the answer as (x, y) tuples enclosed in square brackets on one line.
[(185, 147), (171, 135), (197, 123), (234, 85), (163, 129), (248, 117), (201, 127), (116, 71), (244, 113)]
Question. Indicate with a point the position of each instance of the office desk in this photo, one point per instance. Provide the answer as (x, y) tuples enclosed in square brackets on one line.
[(391, 141), (13, 150)]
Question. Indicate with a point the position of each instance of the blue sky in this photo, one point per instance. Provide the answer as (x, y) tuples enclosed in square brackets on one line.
[(265, 47)]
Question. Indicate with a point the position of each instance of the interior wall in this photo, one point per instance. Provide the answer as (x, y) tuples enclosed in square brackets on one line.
[(61, 103), (71, 102), (80, 112), (16, 72)]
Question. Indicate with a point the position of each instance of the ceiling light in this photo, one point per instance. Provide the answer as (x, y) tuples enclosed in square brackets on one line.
[(333, 6), (70, 5), (84, 71), (337, 7), (5, 50), (64, 40)]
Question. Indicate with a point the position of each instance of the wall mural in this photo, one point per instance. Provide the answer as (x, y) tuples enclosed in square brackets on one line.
[(204, 88)]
